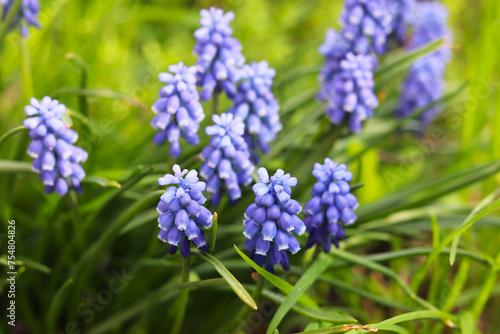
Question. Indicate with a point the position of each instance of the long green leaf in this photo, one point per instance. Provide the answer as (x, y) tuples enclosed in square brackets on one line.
[(101, 181), (56, 304), (276, 281), (10, 133), (230, 279), (422, 271), (309, 277)]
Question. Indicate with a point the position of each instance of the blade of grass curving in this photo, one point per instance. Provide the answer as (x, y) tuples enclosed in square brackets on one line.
[(213, 234), (296, 73), (231, 280), (416, 315), (486, 289), (10, 133), (457, 286), (468, 222), (101, 181), (276, 281), (83, 66), (308, 278), (56, 304), (31, 264), (481, 205), (350, 257)]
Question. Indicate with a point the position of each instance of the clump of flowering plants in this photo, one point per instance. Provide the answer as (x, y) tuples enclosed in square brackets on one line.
[(359, 226)]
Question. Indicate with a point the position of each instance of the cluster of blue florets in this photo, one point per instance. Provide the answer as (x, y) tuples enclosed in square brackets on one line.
[(424, 82), (178, 109), (400, 12), (56, 159), (256, 105), (347, 75), (332, 203), (227, 162), (271, 220), (219, 54), (27, 16), (182, 214)]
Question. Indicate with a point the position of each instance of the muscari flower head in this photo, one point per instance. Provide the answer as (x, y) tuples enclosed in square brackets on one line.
[(271, 220), (56, 159), (365, 25), (332, 203), (256, 105), (424, 82), (27, 16), (178, 109), (346, 83), (401, 15), (219, 54), (227, 162), (182, 214)]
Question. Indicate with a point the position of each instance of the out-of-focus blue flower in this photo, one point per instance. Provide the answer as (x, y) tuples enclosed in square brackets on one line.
[(424, 82), (179, 111), (271, 220), (227, 162), (219, 54), (400, 11), (332, 203), (56, 159), (27, 16), (365, 25), (346, 83), (182, 214), (256, 105)]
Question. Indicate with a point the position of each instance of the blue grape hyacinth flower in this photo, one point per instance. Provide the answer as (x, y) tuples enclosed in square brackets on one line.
[(178, 110), (219, 54), (256, 105), (365, 25), (271, 220), (227, 162), (182, 214), (56, 159), (332, 203), (347, 84), (401, 17), (27, 16), (424, 82)]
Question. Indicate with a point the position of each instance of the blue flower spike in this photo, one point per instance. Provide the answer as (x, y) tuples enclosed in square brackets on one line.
[(178, 110), (256, 105), (227, 164), (219, 54), (332, 203), (365, 25), (27, 16), (56, 159), (424, 82), (401, 17), (271, 222), (182, 214), (347, 84)]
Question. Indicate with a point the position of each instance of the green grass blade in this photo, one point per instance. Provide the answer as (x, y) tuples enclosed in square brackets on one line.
[(231, 280), (10, 133), (422, 271), (276, 281), (101, 181), (56, 304), (307, 279)]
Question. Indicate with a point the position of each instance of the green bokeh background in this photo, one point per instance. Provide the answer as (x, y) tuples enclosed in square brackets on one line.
[(125, 44)]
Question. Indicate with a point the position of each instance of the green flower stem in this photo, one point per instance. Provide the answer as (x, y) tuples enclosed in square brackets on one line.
[(183, 298), (5, 27)]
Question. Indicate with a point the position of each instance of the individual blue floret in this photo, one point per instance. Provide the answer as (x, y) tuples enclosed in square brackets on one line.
[(182, 214), (256, 105), (178, 109), (365, 25), (219, 54), (271, 220), (424, 82), (27, 16), (227, 164), (56, 159), (346, 83), (332, 203)]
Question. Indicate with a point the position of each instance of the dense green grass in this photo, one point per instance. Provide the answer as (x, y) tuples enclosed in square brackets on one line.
[(393, 271)]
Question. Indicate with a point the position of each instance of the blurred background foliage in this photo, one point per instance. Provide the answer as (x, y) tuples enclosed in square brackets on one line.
[(123, 45)]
